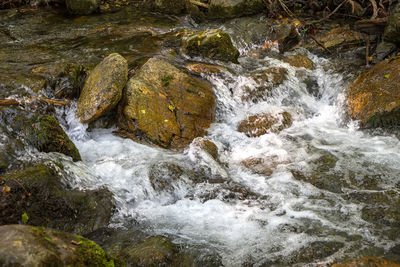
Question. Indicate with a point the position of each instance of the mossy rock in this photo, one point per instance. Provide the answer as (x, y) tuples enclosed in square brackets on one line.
[(166, 106), (258, 125), (299, 61), (39, 192), (374, 97), (234, 8), (210, 44), (368, 262), (23, 245), (103, 88), (82, 7), (40, 131), (155, 251)]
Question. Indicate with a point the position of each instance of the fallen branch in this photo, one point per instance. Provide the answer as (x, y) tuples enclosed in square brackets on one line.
[(198, 3), (24, 101)]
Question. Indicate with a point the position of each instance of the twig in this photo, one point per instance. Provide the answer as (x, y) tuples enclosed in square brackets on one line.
[(54, 102), (198, 3)]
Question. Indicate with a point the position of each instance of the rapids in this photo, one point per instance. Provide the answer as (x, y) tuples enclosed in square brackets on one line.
[(276, 216)]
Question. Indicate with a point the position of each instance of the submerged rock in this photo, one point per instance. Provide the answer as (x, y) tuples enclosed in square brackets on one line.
[(374, 97), (208, 146), (69, 82), (265, 81), (82, 7), (258, 125), (162, 175), (211, 44), (103, 88), (166, 106), (368, 262), (234, 8), (23, 245), (39, 192), (40, 131)]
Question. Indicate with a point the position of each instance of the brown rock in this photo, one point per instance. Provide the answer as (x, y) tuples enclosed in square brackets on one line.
[(208, 146), (265, 80), (300, 61), (374, 97), (258, 125), (166, 106), (340, 38), (201, 68), (103, 88), (368, 262)]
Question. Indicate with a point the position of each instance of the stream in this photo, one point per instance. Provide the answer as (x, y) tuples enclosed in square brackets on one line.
[(316, 192)]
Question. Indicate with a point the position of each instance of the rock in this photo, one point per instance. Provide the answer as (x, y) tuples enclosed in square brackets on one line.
[(265, 81), (201, 68), (82, 7), (69, 83), (156, 251), (368, 262), (383, 50), (286, 35), (38, 190), (341, 39), (262, 165), (208, 146), (374, 97), (299, 61), (174, 7), (162, 175), (40, 131), (103, 88), (392, 30), (210, 44), (166, 106), (258, 125), (23, 245), (234, 8)]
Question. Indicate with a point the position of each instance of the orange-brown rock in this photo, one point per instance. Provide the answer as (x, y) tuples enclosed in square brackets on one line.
[(368, 262), (103, 88), (300, 61), (201, 68), (339, 38), (374, 97), (258, 125), (166, 106)]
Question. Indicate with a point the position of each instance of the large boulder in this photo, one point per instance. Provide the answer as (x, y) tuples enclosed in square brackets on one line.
[(103, 88), (374, 97), (166, 106), (36, 130), (39, 192), (258, 125), (368, 262), (211, 44), (234, 8), (23, 245), (82, 7)]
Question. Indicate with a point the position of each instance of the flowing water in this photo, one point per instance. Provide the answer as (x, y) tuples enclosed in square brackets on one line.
[(318, 191)]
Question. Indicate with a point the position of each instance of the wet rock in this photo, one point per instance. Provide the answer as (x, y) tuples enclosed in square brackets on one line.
[(155, 251), (262, 165), (174, 7), (383, 50), (162, 175), (201, 68), (23, 245), (40, 131), (258, 125), (341, 39), (166, 106), (82, 7), (300, 61), (392, 30), (69, 83), (374, 98), (265, 81), (210, 44), (316, 250), (208, 146), (234, 8), (38, 190), (286, 35), (103, 88), (368, 262)]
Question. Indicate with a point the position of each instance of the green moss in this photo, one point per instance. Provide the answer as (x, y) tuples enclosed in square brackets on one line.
[(93, 255), (166, 79)]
